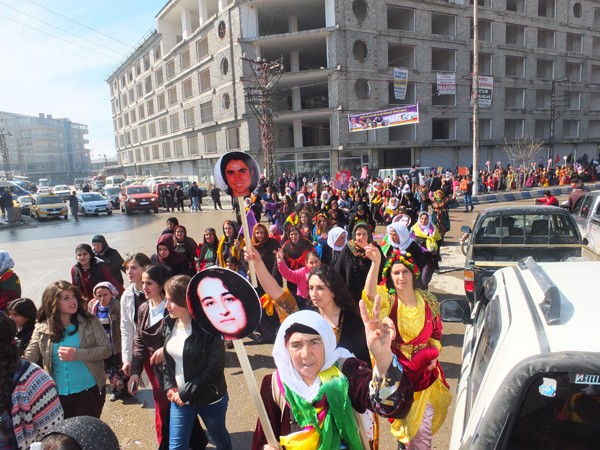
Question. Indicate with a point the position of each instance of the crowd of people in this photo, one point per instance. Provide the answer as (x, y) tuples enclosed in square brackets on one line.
[(347, 310)]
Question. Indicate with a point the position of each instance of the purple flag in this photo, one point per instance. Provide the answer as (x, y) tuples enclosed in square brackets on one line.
[(251, 222)]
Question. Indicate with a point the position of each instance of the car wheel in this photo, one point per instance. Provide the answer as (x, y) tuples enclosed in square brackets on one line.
[(110, 213), (85, 213), (155, 210), (66, 217), (127, 211)]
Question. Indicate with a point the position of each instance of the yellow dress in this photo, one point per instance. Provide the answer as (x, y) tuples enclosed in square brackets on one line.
[(410, 323)]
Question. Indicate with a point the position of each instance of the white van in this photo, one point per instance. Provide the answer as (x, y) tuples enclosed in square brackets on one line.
[(401, 171), (114, 180)]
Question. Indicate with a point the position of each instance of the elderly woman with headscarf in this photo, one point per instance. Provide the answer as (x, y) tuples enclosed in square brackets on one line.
[(352, 263), (319, 396), (336, 241), (426, 235), (362, 215), (184, 244), (390, 210), (10, 285)]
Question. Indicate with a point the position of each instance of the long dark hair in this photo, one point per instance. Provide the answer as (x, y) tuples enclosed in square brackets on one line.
[(158, 273), (337, 285), (176, 287), (9, 361), (50, 311)]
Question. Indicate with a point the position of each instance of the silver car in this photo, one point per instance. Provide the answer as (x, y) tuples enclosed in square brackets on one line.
[(586, 212)]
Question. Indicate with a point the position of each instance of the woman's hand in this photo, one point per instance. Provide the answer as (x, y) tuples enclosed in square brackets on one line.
[(380, 334), (66, 353), (432, 365), (279, 254), (173, 396), (132, 385), (157, 357), (372, 252), (126, 368)]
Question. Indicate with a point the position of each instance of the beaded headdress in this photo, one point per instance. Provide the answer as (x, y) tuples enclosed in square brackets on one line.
[(403, 258)]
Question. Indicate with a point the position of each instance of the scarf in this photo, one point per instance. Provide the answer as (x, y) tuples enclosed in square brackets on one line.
[(323, 409), (357, 251), (333, 235)]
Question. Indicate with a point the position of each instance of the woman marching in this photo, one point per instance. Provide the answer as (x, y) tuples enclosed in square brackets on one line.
[(441, 216), (318, 396), (206, 252), (89, 271), (417, 345), (194, 377), (426, 235)]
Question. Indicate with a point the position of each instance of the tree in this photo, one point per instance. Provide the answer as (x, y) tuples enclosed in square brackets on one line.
[(523, 151)]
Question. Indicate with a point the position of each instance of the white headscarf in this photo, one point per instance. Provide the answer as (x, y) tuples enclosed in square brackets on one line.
[(6, 261), (301, 198), (404, 239), (287, 372), (333, 235)]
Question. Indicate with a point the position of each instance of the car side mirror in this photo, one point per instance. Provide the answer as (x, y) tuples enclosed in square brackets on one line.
[(455, 310), (465, 229)]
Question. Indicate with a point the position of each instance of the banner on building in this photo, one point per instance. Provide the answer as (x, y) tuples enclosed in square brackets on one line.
[(402, 115), (400, 83), (446, 84), (486, 87)]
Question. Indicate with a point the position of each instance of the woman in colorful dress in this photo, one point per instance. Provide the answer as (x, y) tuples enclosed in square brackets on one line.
[(441, 217), (319, 237), (417, 344), (229, 244), (427, 236), (206, 252)]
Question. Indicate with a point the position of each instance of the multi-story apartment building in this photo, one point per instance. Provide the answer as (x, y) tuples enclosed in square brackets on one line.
[(179, 101), (46, 147)]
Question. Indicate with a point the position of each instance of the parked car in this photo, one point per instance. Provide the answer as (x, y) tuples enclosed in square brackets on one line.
[(112, 193), (138, 198), (159, 188), (503, 235), (43, 190), (97, 185), (63, 191), (48, 206), (530, 375), (23, 203), (94, 203), (79, 183), (586, 212)]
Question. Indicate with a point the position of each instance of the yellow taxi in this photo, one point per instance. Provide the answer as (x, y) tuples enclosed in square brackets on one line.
[(47, 206)]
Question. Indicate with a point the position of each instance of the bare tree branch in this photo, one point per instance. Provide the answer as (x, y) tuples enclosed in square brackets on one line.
[(523, 151)]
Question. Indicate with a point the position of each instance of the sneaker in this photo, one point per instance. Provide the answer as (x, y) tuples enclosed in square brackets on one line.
[(257, 337), (228, 344)]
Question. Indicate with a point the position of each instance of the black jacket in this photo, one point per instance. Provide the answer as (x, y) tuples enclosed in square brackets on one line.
[(203, 366)]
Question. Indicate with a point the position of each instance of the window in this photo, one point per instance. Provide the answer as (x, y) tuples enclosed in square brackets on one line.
[(222, 29), (139, 90), (225, 101), (202, 48), (152, 129), (574, 101), (399, 18), (141, 113), (170, 69), (192, 145), (131, 96), (186, 88), (515, 5), (443, 24), (124, 99), (158, 77), (162, 126), (172, 93), (204, 80), (206, 112), (542, 129), (484, 29), (596, 46), (362, 89), (174, 119), (545, 69), (150, 107), (146, 61), (546, 39), (571, 128), (485, 129), (401, 56), (443, 59), (515, 35), (546, 8), (134, 136), (596, 17), (148, 84), (185, 59), (485, 63), (514, 128), (595, 76), (595, 101), (443, 129), (166, 150), (155, 152), (188, 118), (146, 151), (543, 99), (514, 98), (177, 148), (574, 43), (138, 69), (573, 71), (210, 142), (359, 50), (441, 100), (143, 134), (233, 138), (157, 52), (515, 66), (133, 116), (126, 118), (160, 101), (224, 66)]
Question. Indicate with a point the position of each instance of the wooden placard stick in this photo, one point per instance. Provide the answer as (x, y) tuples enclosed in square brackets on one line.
[(248, 239)]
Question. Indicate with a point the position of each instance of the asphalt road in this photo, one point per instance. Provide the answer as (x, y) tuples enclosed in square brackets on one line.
[(44, 252)]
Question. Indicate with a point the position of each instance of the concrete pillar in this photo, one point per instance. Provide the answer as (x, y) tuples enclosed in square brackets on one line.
[(293, 24), (294, 61), (329, 13), (222, 5), (186, 23), (296, 99), (297, 124), (202, 11)]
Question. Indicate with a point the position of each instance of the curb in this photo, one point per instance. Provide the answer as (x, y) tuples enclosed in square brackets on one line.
[(527, 195)]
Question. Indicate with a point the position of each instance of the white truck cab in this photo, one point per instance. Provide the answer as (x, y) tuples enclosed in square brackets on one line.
[(530, 376)]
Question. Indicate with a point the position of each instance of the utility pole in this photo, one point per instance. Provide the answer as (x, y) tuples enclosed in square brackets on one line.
[(4, 150), (259, 97), (552, 120), (475, 95)]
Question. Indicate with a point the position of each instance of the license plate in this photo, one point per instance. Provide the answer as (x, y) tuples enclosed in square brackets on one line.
[(143, 203)]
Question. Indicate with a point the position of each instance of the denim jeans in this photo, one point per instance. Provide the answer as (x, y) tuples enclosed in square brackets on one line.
[(213, 416), (468, 201), (195, 206)]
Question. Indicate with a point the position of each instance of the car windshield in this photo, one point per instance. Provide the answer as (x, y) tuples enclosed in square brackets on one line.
[(138, 190), (23, 200), (91, 197), (61, 187), (48, 200), (559, 410), (113, 190)]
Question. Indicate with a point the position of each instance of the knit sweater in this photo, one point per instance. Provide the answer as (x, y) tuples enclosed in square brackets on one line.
[(35, 406)]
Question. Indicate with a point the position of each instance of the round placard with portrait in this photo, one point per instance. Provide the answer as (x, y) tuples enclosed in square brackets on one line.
[(223, 303), (237, 174)]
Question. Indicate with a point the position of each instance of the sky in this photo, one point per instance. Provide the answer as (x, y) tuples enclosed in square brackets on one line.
[(57, 54)]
